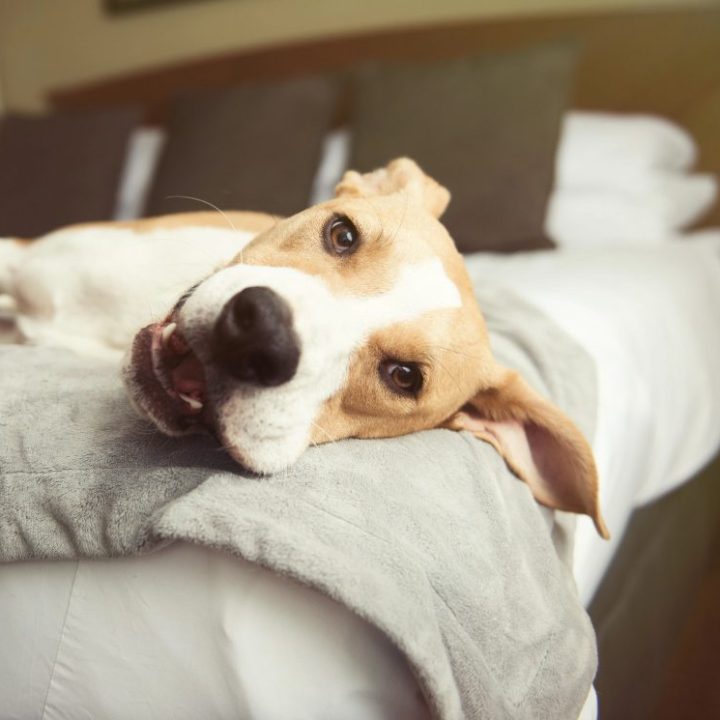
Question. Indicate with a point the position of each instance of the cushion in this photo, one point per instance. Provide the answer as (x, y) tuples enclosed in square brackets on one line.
[(60, 169), (486, 127), (254, 147)]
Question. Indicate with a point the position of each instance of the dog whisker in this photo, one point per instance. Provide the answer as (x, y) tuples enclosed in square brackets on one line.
[(449, 375), (204, 202), (456, 352), (402, 219), (211, 205), (317, 445), (322, 430)]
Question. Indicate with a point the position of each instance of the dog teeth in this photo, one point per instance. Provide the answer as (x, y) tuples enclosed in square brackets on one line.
[(191, 401), (168, 330)]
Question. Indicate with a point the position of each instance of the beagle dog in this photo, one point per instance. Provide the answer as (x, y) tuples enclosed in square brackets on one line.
[(353, 318)]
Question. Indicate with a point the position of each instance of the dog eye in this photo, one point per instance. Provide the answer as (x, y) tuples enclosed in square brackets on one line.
[(405, 378), (341, 236)]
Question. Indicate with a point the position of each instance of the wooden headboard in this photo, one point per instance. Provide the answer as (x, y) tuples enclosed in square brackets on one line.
[(665, 62)]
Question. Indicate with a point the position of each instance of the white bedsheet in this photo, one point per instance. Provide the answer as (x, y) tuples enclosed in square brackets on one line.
[(650, 318), (189, 632)]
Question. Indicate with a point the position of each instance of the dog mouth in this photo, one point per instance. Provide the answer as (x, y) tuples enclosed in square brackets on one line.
[(167, 379)]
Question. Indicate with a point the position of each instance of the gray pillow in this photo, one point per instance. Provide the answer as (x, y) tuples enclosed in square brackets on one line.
[(255, 147), (486, 127), (61, 168)]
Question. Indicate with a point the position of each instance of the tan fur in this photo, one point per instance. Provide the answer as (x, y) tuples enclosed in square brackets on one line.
[(247, 221), (399, 176)]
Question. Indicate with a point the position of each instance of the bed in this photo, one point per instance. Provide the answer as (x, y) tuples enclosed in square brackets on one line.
[(645, 312), (630, 309), (98, 619)]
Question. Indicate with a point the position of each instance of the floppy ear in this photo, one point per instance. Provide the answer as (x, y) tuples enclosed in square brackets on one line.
[(399, 176), (538, 442)]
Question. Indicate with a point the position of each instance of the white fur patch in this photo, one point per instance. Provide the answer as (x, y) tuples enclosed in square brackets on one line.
[(268, 428), (92, 288), (419, 289), (11, 255)]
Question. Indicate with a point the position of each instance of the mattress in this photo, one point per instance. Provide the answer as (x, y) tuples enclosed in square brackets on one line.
[(234, 640)]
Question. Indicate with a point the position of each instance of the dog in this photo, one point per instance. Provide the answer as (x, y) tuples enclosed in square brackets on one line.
[(353, 318)]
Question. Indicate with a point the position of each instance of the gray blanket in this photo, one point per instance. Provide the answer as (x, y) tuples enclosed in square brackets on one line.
[(428, 537)]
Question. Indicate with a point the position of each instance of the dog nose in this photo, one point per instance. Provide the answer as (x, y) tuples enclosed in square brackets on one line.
[(254, 340)]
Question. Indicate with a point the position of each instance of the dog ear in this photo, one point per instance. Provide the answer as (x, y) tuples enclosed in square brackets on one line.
[(399, 176), (538, 442)]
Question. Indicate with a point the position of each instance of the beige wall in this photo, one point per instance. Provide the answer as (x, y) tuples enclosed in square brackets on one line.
[(59, 43)]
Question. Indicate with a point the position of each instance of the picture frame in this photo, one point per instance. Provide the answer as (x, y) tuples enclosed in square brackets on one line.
[(118, 7)]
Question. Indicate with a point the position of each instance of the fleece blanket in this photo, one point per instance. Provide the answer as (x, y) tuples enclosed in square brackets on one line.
[(429, 537)]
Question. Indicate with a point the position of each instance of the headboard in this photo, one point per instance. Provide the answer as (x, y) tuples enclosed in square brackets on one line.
[(665, 62)]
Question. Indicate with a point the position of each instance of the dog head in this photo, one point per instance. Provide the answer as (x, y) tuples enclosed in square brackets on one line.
[(354, 318)]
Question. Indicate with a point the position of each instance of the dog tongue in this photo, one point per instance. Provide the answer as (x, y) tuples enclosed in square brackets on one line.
[(189, 378)]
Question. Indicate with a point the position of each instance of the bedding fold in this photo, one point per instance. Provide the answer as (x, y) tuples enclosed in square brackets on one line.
[(429, 536)]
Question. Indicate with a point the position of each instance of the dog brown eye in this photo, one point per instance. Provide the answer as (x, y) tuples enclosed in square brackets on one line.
[(405, 378), (341, 236)]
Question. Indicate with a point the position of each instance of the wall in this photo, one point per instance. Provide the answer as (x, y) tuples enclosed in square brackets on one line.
[(50, 44)]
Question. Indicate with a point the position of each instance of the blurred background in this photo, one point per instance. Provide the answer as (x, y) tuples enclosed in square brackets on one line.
[(553, 122), (162, 65)]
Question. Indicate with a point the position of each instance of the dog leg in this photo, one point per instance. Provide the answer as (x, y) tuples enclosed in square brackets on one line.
[(11, 254)]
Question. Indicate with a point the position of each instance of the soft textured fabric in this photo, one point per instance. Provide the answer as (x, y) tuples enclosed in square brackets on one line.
[(61, 168), (250, 147), (485, 127), (624, 179), (429, 537), (614, 150), (144, 148), (657, 213)]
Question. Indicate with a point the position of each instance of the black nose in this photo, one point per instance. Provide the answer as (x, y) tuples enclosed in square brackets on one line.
[(254, 339)]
